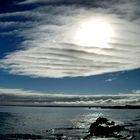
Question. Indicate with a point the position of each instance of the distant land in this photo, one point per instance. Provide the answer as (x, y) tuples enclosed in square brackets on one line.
[(85, 106)]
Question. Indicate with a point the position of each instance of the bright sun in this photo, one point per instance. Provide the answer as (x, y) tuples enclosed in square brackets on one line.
[(96, 33)]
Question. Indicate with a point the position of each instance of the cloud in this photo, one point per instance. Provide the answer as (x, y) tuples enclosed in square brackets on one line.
[(50, 49), (109, 80), (112, 77), (28, 97)]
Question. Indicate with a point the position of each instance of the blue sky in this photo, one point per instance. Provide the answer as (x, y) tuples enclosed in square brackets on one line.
[(41, 50), (107, 83)]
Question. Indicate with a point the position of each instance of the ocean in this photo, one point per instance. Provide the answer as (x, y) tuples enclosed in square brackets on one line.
[(63, 123)]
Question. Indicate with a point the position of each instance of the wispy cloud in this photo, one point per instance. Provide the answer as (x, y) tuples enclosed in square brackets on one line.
[(50, 48), (109, 80), (27, 97)]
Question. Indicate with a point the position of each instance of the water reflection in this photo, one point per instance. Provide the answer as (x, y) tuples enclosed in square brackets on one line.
[(59, 123), (85, 120)]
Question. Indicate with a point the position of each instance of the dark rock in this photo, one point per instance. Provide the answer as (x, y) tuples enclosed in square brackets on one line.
[(101, 120), (102, 127)]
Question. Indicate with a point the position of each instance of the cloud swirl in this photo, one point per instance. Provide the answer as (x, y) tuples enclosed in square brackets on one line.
[(49, 48)]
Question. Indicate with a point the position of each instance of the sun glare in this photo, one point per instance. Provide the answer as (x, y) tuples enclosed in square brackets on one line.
[(96, 33)]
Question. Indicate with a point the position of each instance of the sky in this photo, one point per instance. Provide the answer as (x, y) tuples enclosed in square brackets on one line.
[(70, 52)]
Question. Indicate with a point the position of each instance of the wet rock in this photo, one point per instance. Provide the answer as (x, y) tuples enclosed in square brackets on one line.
[(103, 127)]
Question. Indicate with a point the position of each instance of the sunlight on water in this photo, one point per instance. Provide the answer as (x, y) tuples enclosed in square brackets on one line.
[(86, 120), (64, 123)]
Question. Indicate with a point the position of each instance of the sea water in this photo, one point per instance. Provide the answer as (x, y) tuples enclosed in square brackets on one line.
[(63, 122)]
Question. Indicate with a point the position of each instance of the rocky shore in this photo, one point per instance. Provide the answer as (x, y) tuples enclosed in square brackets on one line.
[(100, 128)]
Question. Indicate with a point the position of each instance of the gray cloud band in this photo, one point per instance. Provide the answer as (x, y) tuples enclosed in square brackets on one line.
[(28, 97)]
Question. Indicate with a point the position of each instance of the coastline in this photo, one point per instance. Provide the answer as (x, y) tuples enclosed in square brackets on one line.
[(74, 106)]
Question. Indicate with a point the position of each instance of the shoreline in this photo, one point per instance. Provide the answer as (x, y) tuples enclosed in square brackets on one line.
[(76, 106)]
